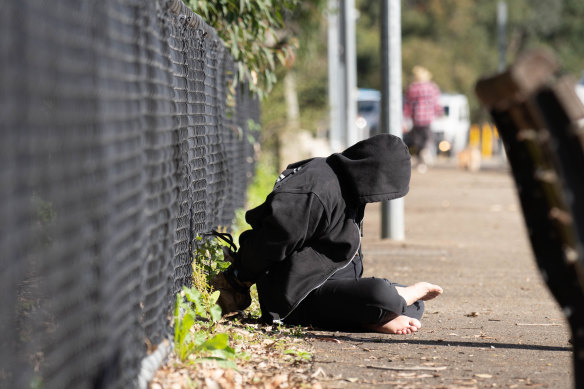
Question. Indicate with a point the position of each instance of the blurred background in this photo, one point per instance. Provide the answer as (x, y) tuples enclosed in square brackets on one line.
[(457, 41)]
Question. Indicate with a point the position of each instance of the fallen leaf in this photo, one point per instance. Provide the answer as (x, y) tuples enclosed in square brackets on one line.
[(472, 314)]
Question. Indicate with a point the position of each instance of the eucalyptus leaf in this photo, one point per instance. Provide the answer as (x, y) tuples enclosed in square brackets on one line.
[(244, 26)]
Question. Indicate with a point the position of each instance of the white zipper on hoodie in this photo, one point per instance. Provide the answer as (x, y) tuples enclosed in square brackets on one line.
[(359, 233)]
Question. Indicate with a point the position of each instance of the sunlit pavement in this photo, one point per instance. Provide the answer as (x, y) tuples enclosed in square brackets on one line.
[(496, 325)]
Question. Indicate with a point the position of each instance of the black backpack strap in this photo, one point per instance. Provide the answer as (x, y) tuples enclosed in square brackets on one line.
[(224, 236)]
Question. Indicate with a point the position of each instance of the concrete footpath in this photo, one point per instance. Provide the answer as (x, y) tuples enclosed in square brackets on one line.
[(496, 325)]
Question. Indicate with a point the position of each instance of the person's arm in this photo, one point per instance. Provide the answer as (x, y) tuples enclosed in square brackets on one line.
[(288, 221)]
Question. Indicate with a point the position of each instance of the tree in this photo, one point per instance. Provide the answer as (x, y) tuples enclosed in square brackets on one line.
[(251, 31), (269, 39), (457, 41)]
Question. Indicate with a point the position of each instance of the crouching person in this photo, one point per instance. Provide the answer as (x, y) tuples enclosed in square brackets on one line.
[(304, 248)]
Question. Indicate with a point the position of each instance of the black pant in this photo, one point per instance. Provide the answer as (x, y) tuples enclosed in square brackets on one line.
[(417, 139), (353, 303)]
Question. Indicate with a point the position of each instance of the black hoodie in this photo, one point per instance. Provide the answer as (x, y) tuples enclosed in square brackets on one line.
[(307, 229)]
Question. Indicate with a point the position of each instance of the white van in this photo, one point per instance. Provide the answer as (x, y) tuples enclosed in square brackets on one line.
[(451, 129)]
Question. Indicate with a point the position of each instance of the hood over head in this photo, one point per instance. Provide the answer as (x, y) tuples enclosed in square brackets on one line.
[(375, 169)]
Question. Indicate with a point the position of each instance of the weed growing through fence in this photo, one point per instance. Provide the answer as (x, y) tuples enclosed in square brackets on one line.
[(194, 325), (196, 312), (203, 336), (208, 261)]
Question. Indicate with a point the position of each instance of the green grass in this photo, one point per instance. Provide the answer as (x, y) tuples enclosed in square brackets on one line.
[(262, 184)]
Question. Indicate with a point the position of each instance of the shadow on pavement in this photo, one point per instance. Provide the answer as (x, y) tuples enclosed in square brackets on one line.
[(448, 343)]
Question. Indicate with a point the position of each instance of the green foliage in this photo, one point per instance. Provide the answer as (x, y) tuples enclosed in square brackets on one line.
[(251, 31), (255, 130), (45, 210), (45, 220), (195, 336), (254, 309), (208, 261), (457, 39), (262, 184), (299, 355), (198, 334), (196, 312)]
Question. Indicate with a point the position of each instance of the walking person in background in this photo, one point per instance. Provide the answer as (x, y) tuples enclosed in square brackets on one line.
[(304, 248), (421, 106)]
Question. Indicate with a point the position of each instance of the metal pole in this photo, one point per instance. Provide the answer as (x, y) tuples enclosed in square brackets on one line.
[(502, 33), (392, 212), (334, 76), (350, 72)]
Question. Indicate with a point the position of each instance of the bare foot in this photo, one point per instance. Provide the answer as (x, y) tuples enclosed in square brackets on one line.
[(419, 291), (401, 325)]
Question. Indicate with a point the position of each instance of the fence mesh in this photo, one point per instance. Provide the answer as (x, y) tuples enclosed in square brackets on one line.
[(118, 146)]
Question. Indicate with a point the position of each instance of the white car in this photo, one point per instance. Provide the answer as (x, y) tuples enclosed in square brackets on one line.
[(451, 129), (368, 111)]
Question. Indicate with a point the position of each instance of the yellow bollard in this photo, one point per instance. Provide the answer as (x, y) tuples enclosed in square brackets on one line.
[(474, 136), (487, 141)]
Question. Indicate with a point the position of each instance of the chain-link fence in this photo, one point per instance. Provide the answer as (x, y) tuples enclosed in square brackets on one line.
[(118, 146)]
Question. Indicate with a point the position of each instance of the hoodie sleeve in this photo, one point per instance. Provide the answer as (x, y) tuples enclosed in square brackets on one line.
[(282, 225)]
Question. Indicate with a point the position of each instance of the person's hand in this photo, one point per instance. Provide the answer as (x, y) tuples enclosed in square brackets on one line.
[(230, 299)]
